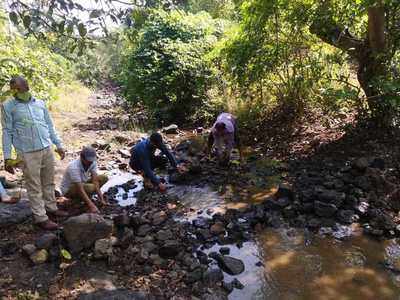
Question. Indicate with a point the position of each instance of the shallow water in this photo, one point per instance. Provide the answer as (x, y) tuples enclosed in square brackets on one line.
[(295, 264), (117, 178)]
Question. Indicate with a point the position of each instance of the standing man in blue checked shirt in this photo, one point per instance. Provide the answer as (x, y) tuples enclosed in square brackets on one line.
[(28, 127)]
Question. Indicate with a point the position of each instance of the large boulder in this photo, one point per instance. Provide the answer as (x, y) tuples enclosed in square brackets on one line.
[(83, 231), (11, 214)]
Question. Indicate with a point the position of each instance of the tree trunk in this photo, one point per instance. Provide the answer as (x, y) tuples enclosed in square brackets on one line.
[(370, 54)]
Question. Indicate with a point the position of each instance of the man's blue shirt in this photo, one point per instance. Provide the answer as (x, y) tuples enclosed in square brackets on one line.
[(142, 153), (27, 126)]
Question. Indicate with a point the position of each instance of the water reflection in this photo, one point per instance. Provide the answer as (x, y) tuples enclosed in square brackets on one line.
[(326, 268)]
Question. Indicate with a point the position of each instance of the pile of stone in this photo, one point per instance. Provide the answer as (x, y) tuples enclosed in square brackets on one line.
[(357, 193)]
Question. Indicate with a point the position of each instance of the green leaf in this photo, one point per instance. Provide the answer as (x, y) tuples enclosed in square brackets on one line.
[(66, 254), (70, 28), (13, 17), (82, 29), (27, 21), (61, 27)]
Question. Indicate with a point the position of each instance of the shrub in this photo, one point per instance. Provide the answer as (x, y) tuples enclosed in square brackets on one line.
[(166, 70), (44, 70)]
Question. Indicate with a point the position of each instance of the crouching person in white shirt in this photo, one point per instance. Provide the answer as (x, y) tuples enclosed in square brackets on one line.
[(81, 180)]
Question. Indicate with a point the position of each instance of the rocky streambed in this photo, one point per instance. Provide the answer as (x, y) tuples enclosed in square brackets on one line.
[(256, 231)]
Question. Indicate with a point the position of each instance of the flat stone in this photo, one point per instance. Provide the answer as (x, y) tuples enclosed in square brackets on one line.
[(11, 214), (228, 264), (29, 249), (83, 231)]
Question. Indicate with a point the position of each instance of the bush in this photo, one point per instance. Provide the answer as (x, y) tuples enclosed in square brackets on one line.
[(166, 70), (44, 70)]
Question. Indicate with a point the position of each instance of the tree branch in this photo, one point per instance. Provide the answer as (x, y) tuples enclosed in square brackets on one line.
[(337, 36)]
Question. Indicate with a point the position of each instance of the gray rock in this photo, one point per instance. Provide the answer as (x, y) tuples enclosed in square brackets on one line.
[(228, 264), (144, 230), (333, 197), (285, 191), (361, 164), (323, 209), (118, 294), (170, 249), (171, 129), (164, 235), (159, 218), (194, 276), (213, 275), (378, 163), (142, 256), (347, 216), (103, 248), (29, 249), (237, 284), (224, 250), (11, 214), (149, 246), (45, 241), (82, 231)]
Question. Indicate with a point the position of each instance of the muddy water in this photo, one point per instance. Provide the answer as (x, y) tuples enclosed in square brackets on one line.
[(293, 264)]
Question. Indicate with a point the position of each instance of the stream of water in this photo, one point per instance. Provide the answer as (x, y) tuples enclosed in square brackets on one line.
[(295, 264)]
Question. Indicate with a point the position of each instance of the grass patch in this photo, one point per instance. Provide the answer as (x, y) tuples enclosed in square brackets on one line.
[(70, 98)]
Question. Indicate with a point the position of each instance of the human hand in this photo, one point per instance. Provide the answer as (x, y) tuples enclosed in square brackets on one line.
[(93, 209), (9, 167), (103, 200), (61, 152)]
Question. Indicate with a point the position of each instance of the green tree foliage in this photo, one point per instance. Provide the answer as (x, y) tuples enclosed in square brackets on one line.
[(44, 69), (279, 46), (166, 69), (272, 55)]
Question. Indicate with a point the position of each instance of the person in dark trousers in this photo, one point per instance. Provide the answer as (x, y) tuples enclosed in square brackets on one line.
[(144, 161)]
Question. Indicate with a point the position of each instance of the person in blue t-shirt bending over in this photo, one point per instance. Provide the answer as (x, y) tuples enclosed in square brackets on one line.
[(144, 161)]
